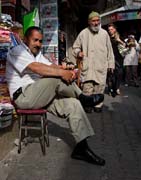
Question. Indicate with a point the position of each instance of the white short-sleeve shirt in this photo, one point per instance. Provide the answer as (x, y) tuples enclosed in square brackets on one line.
[(18, 58)]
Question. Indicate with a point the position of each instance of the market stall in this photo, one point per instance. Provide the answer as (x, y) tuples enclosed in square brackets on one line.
[(10, 35)]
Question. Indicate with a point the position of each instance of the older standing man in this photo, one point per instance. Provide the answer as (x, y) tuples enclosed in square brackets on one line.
[(94, 47)]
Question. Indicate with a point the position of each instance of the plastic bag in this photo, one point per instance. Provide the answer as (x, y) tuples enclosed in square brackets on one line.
[(123, 50)]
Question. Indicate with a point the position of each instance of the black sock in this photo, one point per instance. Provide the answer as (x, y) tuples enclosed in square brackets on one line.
[(82, 145)]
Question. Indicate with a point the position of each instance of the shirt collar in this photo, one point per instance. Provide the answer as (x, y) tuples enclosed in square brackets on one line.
[(27, 48)]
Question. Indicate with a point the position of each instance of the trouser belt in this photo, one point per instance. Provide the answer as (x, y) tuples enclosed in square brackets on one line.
[(17, 93)]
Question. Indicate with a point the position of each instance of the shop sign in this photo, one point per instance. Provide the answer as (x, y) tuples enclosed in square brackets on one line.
[(120, 16), (113, 17), (128, 16)]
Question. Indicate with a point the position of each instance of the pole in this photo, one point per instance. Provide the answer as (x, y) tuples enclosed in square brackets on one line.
[(0, 9), (79, 64)]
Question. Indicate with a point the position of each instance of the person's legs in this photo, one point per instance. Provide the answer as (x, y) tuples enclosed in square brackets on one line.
[(118, 79), (38, 94), (80, 126), (111, 83), (71, 109), (139, 70), (71, 90), (100, 90), (135, 75), (88, 89), (128, 75), (43, 91)]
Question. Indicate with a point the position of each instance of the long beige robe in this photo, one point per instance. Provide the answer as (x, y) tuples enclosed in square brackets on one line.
[(98, 54)]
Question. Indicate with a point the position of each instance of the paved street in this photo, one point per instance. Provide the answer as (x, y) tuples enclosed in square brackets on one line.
[(117, 139)]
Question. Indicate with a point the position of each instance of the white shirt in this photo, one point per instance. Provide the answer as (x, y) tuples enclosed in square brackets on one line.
[(18, 58), (131, 59), (139, 41)]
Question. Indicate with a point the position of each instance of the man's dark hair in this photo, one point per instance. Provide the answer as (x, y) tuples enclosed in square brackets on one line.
[(32, 28), (112, 25)]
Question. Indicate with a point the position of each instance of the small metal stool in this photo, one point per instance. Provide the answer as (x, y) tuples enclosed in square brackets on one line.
[(26, 124)]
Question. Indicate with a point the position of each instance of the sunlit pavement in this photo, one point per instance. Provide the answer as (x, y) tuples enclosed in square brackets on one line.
[(117, 140)]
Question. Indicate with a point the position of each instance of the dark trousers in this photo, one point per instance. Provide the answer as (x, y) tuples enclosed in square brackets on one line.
[(131, 75), (139, 71), (118, 77)]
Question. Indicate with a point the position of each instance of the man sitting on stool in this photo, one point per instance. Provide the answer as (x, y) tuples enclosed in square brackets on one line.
[(34, 82)]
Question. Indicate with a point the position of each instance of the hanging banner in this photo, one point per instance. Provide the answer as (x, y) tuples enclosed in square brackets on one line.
[(31, 19), (50, 24)]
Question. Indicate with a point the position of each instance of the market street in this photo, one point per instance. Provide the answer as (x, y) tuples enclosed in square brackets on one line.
[(117, 140)]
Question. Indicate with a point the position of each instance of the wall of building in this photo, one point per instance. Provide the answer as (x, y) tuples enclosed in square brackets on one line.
[(8, 7)]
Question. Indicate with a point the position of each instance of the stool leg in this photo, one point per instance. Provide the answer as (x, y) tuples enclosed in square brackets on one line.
[(43, 135), (26, 116), (46, 130), (20, 133)]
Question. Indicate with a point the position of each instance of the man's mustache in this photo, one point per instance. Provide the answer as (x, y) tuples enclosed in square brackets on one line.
[(37, 47)]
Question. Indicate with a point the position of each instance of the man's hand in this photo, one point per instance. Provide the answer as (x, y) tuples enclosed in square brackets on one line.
[(80, 54), (110, 70), (68, 76), (68, 65)]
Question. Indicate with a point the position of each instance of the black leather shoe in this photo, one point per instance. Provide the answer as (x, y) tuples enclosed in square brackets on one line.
[(92, 100), (88, 109), (89, 156), (136, 85), (98, 109)]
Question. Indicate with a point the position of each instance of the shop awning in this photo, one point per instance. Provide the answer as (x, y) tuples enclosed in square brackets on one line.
[(120, 14), (115, 10)]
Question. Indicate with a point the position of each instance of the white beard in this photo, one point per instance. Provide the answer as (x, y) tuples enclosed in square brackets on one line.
[(95, 28)]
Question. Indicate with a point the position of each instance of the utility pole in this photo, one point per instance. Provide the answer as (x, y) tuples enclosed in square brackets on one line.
[(0, 9), (18, 16)]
